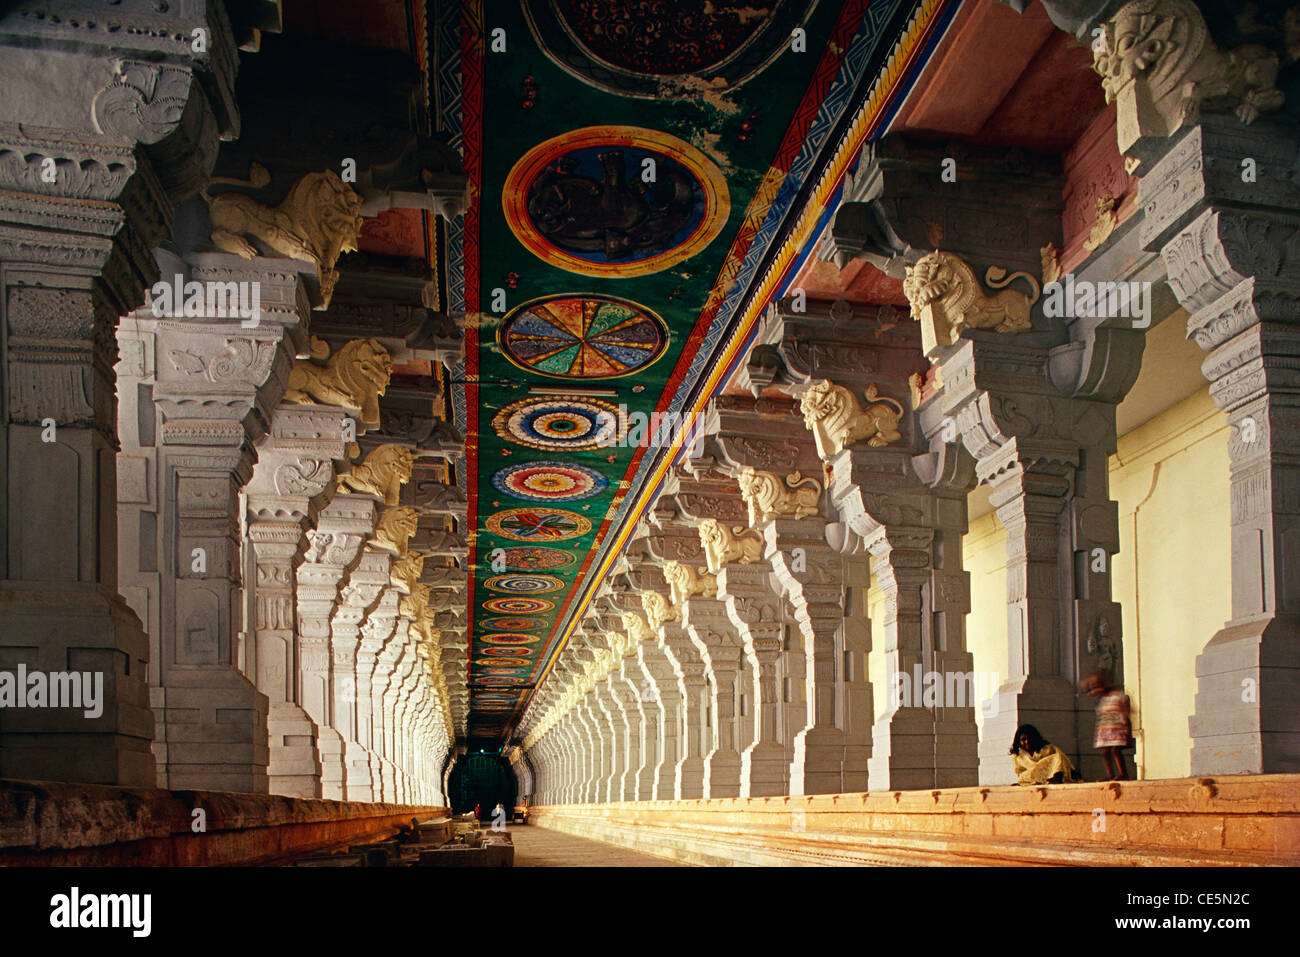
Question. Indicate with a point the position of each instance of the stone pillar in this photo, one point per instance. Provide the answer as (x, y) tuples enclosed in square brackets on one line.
[(664, 684), (1228, 246), (809, 572), (719, 648), (294, 471), (92, 170), (755, 613), (333, 549), (354, 663), (214, 384)]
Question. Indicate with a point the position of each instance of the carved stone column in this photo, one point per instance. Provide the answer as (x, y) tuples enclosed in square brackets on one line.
[(102, 133), (354, 664), (719, 647), (333, 550), (1230, 250), (294, 471), (663, 678)]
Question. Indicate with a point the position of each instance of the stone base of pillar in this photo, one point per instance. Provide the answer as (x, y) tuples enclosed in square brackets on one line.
[(333, 776), (294, 770), (1046, 703), (688, 779), (903, 751), (645, 784), (763, 771), (387, 779), (956, 749), (817, 764), (360, 784), (1248, 680), (211, 731), (81, 628), (854, 773), (722, 775)]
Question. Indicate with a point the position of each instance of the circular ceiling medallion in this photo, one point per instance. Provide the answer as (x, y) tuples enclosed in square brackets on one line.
[(514, 624), (510, 638), (518, 605), (549, 482), (502, 681), (499, 652), (537, 524), (692, 46), (615, 201), (532, 559), (582, 337), (568, 425), (524, 584)]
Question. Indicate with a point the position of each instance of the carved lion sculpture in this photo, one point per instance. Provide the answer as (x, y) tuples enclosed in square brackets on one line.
[(354, 377), (383, 472), (946, 298), (637, 629), (684, 581), (837, 420), (406, 572), (723, 544), (1161, 51), (396, 526), (657, 608), (318, 220), (767, 496)]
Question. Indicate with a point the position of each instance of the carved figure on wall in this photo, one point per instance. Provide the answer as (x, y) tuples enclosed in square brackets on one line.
[(946, 298), (685, 581), (318, 220), (657, 608), (723, 544), (837, 420), (1159, 62), (396, 525), (383, 472), (768, 496), (354, 377)]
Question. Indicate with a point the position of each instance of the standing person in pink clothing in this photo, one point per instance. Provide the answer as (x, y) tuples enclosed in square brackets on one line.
[(1114, 732)]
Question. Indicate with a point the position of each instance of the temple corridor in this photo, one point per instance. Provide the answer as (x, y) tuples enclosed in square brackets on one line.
[(479, 434)]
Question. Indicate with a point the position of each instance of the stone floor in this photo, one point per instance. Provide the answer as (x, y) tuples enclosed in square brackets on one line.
[(539, 847)]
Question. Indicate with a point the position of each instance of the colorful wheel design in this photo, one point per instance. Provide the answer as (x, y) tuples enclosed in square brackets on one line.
[(568, 425), (498, 652), (502, 681), (582, 337), (524, 584), (549, 482), (518, 605), (505, 671), (537, 524), (577, 201), (510, 638), (514, 624)]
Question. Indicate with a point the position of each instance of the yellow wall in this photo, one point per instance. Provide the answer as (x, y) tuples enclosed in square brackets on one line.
[(1170, 478)]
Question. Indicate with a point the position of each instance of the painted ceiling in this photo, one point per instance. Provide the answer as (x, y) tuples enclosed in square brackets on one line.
[(637, 168)]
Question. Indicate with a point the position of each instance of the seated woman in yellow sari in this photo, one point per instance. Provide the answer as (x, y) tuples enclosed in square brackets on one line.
[(1038, 762)]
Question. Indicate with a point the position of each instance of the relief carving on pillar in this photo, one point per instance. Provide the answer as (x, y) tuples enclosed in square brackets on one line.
[(657, 608), (317, 221), (768, 496), (383, 472), (946, 298), (306, 476), (723, 544), (397, 524), (837, 420), (354, 377), (687, 581), (331, 548), (1160, 63), (143, 102)]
